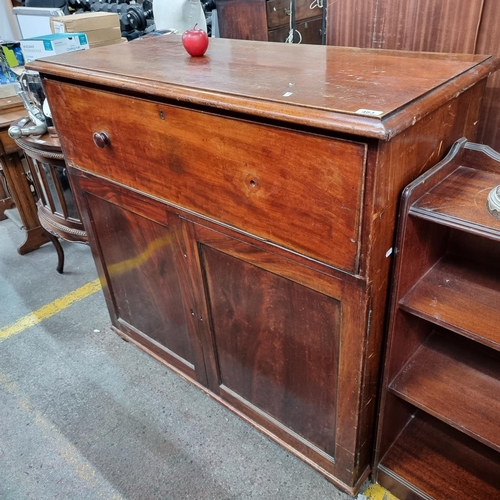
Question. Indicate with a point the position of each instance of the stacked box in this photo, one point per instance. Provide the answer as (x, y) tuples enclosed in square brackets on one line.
[(101, 28), (49, 45)]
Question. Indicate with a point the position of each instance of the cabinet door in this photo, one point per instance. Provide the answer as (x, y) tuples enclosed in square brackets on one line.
[(136, 246), (280, 343), (287, 345)]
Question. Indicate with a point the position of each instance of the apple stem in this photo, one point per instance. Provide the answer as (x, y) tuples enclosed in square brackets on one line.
[(194, 27)]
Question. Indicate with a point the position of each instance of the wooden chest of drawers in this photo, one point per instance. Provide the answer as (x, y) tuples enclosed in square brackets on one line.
[(241, 211)]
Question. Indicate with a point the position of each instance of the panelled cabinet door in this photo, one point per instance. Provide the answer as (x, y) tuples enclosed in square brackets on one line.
[(261, 332), (276, 328), (135, 242)]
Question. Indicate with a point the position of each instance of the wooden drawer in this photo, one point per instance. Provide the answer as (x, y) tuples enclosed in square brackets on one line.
[(246, 175), (278, 12)]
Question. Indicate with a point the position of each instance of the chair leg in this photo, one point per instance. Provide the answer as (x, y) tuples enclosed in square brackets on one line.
[(59, 250)]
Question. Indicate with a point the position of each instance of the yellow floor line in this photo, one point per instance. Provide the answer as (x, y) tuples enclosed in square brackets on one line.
[(49, 310), (376, 492)]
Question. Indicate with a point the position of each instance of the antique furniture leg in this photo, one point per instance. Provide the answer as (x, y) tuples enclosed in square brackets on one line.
[(60, 252), (6, 201), (16, 179)]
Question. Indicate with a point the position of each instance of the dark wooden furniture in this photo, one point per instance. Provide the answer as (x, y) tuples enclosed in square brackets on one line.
[(241, 210), (56, 205), (439, 433), (272, 20), (9, 107), (460, 26), (242, 19), (308, 24), (17, 182), (6, 200)]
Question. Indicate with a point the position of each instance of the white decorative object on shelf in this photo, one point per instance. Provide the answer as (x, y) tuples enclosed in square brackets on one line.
[(493, 202)]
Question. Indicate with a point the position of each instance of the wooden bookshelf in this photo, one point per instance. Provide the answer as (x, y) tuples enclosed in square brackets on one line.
[(451, 367), (439, 433), (448, 293), (432, 460), (459, 201)]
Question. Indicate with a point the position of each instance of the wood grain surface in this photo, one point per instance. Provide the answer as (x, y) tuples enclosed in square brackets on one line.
[(327, 88), (273, 350), (419, 25), (437, 458)]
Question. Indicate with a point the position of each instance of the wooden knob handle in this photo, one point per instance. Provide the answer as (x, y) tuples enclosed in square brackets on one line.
[(101, 139)]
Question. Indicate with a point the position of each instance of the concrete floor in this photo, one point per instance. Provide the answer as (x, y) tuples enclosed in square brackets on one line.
[(86, 415)]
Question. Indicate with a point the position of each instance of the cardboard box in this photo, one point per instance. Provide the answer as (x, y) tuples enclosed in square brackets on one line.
[(83, 23), (96, 36), (107, 42), (50, 45)]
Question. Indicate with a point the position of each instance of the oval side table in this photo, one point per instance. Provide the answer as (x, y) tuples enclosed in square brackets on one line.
[(57, 211)]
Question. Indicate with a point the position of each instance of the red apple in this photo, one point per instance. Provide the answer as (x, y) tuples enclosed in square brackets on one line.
[(195, 41)]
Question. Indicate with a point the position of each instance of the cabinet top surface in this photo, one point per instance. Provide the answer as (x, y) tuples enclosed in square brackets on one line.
[(371, 92)]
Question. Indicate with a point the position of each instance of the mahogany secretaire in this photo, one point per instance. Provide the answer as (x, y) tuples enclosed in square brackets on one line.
[(241, 209)]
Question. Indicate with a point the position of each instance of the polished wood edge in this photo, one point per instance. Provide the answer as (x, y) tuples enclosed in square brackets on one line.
[(411, 114), (269, 246), (44, 153), (449, 221), (386, 478), (419, 186), (129, 337), (317, 118), (334, 480), (343, 122), (161, 347), (71, 223), (64, 232), (444, 324), (325, 284), (483, 148), (277, 423)]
